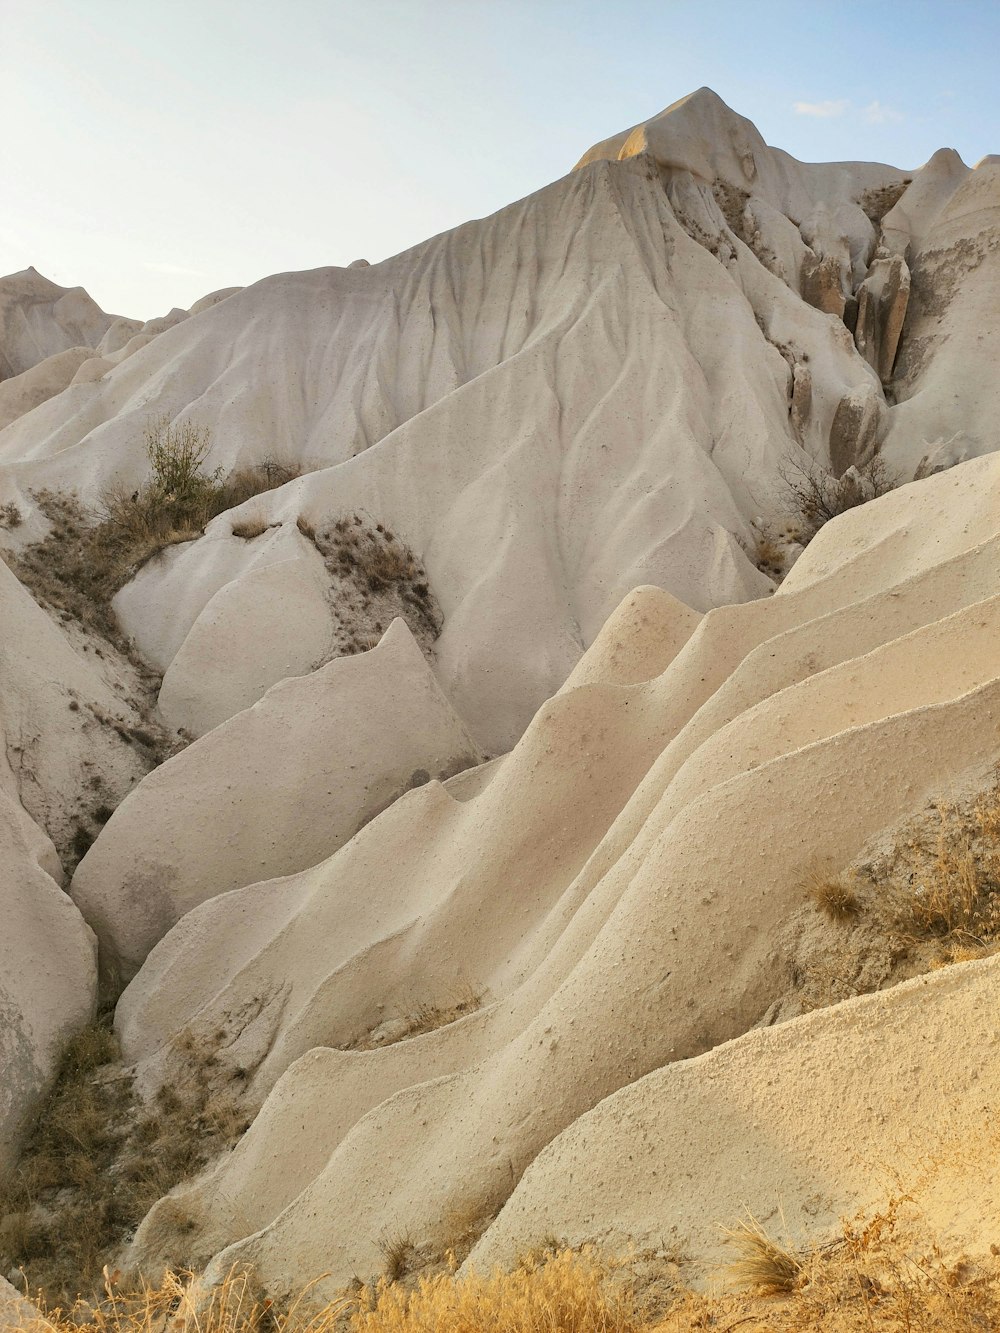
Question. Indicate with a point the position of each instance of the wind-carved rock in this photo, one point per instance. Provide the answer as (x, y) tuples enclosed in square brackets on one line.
[(820, 284), (882, 301), (801, 404), (854, 434)]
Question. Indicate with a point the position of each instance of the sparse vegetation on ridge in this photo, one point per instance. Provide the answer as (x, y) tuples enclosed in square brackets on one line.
[(873, 1277), (83, 561), (98, 1158), (929, 898), (379, 577), (464, 999)]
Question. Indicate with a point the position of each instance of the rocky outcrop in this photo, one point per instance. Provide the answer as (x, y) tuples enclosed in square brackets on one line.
[(856, 429), (277, 788), (882, 301), (48, 970), (821, 284)]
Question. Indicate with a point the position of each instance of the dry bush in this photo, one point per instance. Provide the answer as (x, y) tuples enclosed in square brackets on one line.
[(944, 877), (10, 516), (249, 528), (558, 1293), (768, 556), (84, 560), (762, 1264), (379, 577), (97, 1158), (816, 496), (836, 901), (874, 1276)]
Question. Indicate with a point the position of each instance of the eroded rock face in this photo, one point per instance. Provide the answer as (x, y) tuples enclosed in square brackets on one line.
[(821, 285), (48, 970), (854, 434), (882, 301), (271, 791)]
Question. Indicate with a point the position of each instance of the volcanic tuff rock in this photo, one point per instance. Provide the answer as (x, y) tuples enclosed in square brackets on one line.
[(577, 415)]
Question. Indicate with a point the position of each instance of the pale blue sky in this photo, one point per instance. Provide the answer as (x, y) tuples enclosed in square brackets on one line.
[(153, 152)]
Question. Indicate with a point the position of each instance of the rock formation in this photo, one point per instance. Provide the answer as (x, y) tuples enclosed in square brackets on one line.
[(500, 763)]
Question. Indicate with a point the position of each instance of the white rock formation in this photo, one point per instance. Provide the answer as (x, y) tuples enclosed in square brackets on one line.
[(38, 318), (48, 971), (593, 391), (616, 888), (272, 791)]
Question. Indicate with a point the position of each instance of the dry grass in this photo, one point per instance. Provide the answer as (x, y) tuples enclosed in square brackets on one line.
[(379, 577), (928, 898), (249, 528), (769, 557), (464, 999), (180, 1305), (874, 1276), (763, 1263), (836, 901), (84, 560), (565, 1292), (10, 516), (944, 877), (98, 1158)]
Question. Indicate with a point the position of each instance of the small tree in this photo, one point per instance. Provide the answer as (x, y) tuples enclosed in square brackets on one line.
[(177, 455)]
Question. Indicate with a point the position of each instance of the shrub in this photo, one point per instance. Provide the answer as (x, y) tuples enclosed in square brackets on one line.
[(83, 561), (10, 516), (249, 528), (556, 1293), (817, 496), (835, 901), (762, 1264), (97, 1158)]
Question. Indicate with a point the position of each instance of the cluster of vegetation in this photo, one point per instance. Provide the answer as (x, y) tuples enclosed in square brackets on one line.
[(465, 999), (98, 1158), (938, 888), (380, 575), (10, 516), (816, 496), (84, 560), (812, 497), (928, 898), (868, 1279)]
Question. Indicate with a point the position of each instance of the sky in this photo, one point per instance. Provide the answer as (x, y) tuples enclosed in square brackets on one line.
[(154, 152)]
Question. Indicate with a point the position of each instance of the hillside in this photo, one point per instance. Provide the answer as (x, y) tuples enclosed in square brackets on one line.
[(552, 791)]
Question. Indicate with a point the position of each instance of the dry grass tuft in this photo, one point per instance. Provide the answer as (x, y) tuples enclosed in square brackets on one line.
[(98, 1158), (397, 1256), (85, 559), (836, 901), (763, 1264), (249, 528), (10, 516)]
